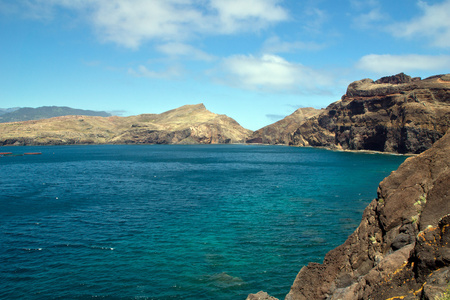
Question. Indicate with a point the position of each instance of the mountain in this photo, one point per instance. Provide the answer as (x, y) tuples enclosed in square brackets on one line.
[(8, 110), (189, 124), (45, 112), (401, 248), (396, 114), (281, 131)]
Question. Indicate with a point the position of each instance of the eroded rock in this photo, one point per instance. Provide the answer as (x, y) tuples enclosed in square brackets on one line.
[(393, 114), (401, 248)]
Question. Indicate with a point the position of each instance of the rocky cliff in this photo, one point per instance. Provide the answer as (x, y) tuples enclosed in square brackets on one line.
[(401, 248), (393, 114), (185, 125), (281, 131)]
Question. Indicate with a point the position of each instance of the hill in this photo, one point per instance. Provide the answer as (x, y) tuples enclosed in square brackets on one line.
[(393, 114), (189, 124), (281, 132), (45, 112)]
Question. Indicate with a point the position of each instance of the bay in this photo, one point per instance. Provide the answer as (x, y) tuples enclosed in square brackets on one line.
[(175, 221)]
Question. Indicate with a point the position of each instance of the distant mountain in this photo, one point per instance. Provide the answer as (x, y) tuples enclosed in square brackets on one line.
[(189, 124), (8, 110), (44, 112)]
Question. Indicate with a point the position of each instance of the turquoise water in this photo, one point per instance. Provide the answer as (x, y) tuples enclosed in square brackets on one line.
[(175, 222)]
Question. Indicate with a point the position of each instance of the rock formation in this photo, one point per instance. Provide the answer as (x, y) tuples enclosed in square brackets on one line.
[(189, 124), (401, 248), (281, 131), (260, 296), (393, 114)]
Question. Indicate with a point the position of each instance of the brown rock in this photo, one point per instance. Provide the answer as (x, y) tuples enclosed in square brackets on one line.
[(393, 114), (401, 248), (260, 296), (281, 132)]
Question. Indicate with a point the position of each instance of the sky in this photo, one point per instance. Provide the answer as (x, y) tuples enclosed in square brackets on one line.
[(256, 61)]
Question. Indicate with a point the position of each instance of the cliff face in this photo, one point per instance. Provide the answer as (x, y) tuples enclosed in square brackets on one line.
[(401, 248), (189, 124), (281, 131), (393, 114)]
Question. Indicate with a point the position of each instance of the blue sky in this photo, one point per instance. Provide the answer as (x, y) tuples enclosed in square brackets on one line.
[(254, 60)]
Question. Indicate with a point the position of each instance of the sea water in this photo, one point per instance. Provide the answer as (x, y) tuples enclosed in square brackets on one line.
[(175, 222)]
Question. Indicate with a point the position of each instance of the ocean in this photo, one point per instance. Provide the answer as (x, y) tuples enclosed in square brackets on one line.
[(175, 221)]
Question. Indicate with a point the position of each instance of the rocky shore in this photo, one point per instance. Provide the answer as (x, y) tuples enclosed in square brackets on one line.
[(401, 249)]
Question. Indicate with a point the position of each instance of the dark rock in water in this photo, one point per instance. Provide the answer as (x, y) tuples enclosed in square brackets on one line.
[(401, 249), (393, 114)]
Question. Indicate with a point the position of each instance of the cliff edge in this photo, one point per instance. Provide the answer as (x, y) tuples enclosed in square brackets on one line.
[(401, 248), (396, 114)]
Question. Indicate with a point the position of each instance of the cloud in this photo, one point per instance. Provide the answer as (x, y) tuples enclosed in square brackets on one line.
[(275, 45), (362, 4), (390, 64), (367, 13), (237, 15), (272, 73), (433, 25), (130, 23), (176, 49), (314, 19), (366, 20), (143, 71)]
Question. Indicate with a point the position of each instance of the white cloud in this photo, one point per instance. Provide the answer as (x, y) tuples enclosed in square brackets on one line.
[(176, 49), (275, 45), (362, 4), (314, 19), (367, 13), (390, 64), (131, 22), (434, 24), (366, 20), (272, 73), (143, 71), (237, 15)]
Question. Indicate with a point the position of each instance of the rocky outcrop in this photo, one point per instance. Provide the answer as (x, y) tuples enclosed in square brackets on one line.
[(393, 114), (281, 131), (401, 248), (260, 296), (189, 124)]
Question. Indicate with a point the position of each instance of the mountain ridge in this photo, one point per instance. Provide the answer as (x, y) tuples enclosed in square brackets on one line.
[(44, 112), (184, 125)]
